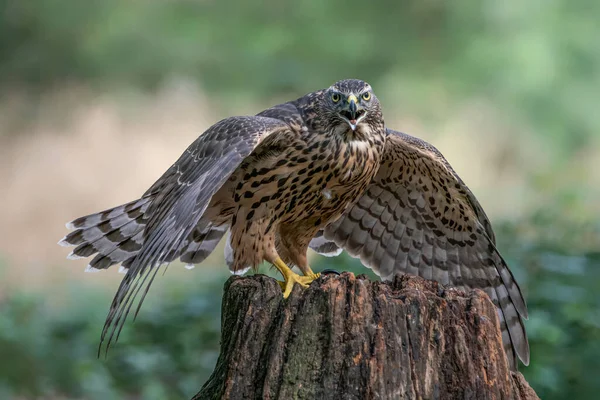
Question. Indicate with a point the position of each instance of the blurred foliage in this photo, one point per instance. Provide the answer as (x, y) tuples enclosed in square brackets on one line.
[(167, 353), (562, 282), (537, 58), (536, 61)]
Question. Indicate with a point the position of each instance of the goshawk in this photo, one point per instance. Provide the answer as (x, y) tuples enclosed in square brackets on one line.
[(323, 172)]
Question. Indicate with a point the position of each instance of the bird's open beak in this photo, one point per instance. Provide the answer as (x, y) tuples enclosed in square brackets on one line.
[(353, 114)]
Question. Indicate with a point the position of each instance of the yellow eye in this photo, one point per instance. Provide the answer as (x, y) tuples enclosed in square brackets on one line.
[(366, 96), (335, 97)]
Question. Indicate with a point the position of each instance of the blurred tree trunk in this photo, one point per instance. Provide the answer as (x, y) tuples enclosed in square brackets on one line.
[(347, 337)]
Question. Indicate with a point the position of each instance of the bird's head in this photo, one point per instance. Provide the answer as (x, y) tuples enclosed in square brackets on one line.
[(352, 106)]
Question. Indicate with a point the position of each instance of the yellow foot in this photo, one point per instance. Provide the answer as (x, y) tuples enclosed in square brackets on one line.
[(288, 285), (290, 278)]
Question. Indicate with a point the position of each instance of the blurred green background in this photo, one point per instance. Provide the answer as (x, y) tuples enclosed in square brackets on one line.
[(97, 98)]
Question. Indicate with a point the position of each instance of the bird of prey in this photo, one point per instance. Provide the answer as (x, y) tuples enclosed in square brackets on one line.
[(323, 172)]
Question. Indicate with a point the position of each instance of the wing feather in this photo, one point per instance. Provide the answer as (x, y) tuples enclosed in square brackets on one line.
[(180, 198), (418, 217)]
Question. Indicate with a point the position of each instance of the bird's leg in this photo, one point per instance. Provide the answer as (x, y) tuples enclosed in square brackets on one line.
[(302, 263), (290, 278)]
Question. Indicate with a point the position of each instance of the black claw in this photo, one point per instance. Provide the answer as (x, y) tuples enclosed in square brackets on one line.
[(329, 272)]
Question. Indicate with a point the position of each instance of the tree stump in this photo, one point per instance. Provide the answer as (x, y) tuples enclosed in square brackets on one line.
[(347, 337)]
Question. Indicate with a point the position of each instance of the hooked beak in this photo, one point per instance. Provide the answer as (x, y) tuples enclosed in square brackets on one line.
[(353, 114), (352, 106)]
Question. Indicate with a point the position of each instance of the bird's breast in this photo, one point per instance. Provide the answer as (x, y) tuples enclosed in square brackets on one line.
[(358, 162), (309, 183)]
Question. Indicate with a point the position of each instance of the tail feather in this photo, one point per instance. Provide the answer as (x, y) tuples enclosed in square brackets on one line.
[(126, 264), (323, 246), (120, 252), (95, 226), (202, 243), (115, 234), (230, 259), (91, 220)]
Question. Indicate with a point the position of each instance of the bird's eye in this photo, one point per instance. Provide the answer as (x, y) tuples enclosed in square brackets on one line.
[(335, 97), (366, 96)]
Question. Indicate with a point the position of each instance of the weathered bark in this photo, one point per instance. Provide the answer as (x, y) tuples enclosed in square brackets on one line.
[(347, 337)]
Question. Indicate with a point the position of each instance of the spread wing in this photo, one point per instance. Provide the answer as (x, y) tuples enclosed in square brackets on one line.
[(418, 217), (179, 198)]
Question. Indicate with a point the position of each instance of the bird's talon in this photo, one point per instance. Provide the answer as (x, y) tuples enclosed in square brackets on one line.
[(290, 278), (311, 277)]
